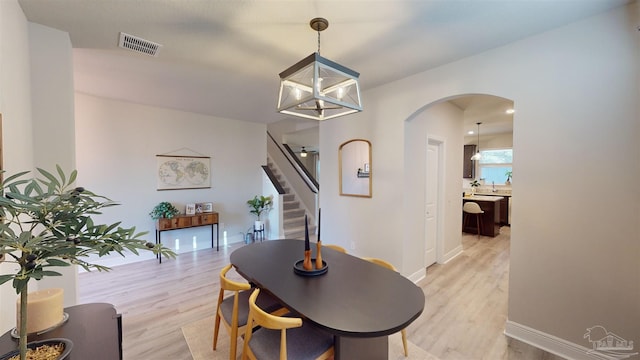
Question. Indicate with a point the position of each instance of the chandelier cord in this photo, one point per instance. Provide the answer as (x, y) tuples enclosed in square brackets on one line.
[(318, 42)]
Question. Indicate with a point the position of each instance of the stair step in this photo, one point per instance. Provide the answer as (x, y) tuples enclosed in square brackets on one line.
[(288, 205), (293, 222), (292, 213), (288, 197), (298, 233)]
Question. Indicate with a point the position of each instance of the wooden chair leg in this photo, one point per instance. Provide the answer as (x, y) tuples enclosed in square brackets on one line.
[(216, 328), (404, 342)]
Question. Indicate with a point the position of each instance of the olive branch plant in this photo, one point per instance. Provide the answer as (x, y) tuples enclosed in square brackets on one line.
[(46, 222)]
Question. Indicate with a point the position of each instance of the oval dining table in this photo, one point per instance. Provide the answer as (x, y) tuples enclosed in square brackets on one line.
[(359, 302)]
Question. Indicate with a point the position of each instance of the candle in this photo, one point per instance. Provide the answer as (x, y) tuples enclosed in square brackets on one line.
[(306, 234), (44, 310), (319, 246)]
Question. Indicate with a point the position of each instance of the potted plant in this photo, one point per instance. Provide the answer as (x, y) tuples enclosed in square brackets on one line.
[(508, 174), (260, 204), (474, 184), (47, 223), (164, 210)]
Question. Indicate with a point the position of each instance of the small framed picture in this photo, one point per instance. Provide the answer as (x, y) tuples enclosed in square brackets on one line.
[(190, 209), (198, 208), (207, 207)]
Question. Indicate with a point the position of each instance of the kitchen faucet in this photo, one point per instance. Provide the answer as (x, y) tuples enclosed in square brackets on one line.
[(493, 183)]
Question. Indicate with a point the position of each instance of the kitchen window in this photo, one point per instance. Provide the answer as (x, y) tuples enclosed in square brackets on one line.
[(494, 164)]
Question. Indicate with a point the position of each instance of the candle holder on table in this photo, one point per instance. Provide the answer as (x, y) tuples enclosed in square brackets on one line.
[(311, 266)]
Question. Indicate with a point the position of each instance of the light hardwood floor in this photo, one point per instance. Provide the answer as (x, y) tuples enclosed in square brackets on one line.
[(464, 316)]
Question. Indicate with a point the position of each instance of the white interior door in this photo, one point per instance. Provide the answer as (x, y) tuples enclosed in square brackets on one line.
[(431, 203)]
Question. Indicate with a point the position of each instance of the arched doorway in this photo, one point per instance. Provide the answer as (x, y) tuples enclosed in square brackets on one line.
[(434, 140)]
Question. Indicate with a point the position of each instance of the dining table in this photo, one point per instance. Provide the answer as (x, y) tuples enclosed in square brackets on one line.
[(358, 302)]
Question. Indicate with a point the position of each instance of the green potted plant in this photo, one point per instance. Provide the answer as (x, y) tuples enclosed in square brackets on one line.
[(259, 204), (474, 185), (508, 174), (47, 223), (164, 210)]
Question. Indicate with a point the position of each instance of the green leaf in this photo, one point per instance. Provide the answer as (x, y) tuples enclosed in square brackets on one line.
[(57, 262), (61, 173), (5, 278), (48, 175), (15, 176), (50, 273), (73, 176)]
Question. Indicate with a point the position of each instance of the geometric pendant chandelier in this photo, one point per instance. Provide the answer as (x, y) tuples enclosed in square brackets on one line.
[(318, 88)]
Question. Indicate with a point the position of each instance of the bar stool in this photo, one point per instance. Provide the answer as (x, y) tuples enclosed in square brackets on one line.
[(472, 208)]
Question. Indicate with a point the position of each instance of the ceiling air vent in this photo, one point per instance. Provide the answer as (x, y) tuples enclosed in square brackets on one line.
[(139, 45)]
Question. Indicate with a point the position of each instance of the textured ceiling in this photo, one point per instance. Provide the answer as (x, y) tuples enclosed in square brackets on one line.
[(222, 58)]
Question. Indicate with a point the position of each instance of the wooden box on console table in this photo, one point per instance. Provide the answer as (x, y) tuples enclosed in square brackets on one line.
[(187, 221)]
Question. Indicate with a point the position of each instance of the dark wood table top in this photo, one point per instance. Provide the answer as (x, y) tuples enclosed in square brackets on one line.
[(355, 298), (93, 329)]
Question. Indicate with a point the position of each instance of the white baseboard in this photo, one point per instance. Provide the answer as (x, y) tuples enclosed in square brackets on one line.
[(550, 343), (418, 275), (451, 254)]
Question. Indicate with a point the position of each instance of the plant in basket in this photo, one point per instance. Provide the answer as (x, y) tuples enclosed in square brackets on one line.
[(47, 222)]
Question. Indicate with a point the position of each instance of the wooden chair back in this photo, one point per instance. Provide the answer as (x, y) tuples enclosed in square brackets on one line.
[(336, 247), (232, 325), (258, 317), (382, 263)]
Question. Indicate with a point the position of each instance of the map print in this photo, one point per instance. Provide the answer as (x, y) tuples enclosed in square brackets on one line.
[(182, 172)]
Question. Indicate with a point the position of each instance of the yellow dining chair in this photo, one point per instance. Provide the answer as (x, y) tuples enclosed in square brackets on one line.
[(390, 266), (298, 339), (233, 310), (336, 247)]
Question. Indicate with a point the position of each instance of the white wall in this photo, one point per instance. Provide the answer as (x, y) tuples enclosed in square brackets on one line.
[(15, 107), (53, 123), (117, 143), (442, 122), (36, 104), (575, 130)]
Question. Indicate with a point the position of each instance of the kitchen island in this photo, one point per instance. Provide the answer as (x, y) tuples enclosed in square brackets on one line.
[(505, 212), (491, 217)]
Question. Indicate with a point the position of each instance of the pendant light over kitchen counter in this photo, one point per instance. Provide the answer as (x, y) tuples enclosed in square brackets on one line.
[(477, 155)]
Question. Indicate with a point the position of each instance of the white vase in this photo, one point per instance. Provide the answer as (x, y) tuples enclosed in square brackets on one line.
[(258, 225)]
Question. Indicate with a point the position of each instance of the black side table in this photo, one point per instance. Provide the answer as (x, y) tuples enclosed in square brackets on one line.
[(258, 233)]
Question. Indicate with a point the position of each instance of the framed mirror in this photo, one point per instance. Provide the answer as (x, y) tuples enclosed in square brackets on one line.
[(355, 168)]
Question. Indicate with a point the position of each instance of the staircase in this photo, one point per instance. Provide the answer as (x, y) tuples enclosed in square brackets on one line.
[(292, 213)]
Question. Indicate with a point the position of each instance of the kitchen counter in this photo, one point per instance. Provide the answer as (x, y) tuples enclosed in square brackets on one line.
[(482, 197), (497, 193), (491, 205)]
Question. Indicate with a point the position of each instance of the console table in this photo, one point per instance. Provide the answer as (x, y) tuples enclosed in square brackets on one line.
[(187, 221), (95, 330)]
